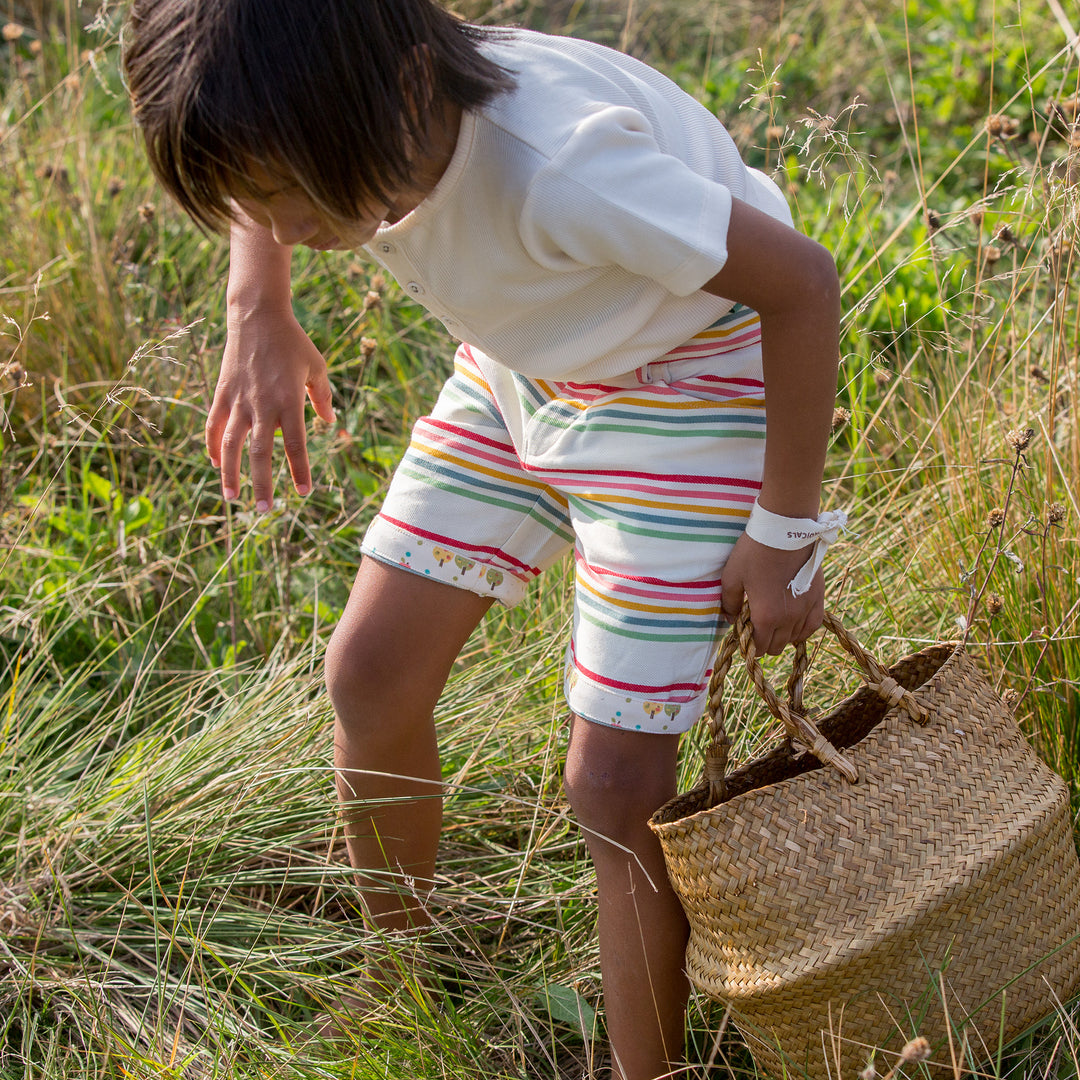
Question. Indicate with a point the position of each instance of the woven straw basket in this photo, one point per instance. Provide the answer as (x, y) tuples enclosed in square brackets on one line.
[(940, 890)]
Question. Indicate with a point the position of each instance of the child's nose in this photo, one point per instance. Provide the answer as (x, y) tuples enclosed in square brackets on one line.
[(292, 229)]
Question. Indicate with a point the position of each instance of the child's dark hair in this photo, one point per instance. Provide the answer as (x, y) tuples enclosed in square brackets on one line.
[(329, 94)]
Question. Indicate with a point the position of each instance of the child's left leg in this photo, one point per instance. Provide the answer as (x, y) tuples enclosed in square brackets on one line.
[(615, 780)]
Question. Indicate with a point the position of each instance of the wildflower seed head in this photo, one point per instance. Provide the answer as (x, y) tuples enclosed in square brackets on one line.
[(1068, 108), (147, 211), (992, 253), (367, 347), (882, 378), (372, 300), (999, 126), (994, 604), (933, 221), (12, 31), (1011, 698), (1038, 374), (840, 417), (1055, 513), (115, 186), (1005, 235), (35, 47), (916, 1050), (996, 517), (1019, 439)]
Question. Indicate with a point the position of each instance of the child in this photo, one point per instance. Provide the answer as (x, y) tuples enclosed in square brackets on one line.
[(622, 286)]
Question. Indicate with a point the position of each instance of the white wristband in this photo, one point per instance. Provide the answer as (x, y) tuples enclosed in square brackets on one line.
[(790, 534)]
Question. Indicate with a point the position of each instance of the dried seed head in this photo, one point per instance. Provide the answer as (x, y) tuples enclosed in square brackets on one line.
[(367, 347), (933, 221), (115, 186), (840, 417), (372, 300), (1005, 235), (774, 133), (1011, 699), (378, 282), (916, 1050), (882, 377), (992, 253), (1068, 108), (147, 211), (996, 517), (1038, 374), (12, 31), (1055, 513), (35, 47), (994, 604), (1019, 439), (1000, 126)]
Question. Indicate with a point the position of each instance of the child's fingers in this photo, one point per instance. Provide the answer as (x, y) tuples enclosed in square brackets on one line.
[(215, 427), (294, 436), (232, 449), (321, 395), (260, 464)]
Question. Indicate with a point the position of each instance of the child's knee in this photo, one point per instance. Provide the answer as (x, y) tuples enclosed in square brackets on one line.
[(615, 784), (360, 675)]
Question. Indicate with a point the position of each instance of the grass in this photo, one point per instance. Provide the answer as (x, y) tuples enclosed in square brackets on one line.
[(173, 893)]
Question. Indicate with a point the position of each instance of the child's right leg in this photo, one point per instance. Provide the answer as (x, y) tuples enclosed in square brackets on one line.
[(386, 665)]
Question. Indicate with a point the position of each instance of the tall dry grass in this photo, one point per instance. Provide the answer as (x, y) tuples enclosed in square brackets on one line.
[(173, 894)]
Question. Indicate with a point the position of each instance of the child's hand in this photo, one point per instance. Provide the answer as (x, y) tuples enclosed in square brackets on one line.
[(761, 574), (268, 365)]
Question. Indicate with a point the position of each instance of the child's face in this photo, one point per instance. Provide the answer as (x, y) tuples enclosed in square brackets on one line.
[(288, 213)]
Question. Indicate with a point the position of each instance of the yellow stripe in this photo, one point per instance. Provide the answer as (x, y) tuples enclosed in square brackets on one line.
[(657, 504), (719, 335), (515, 478), (646, 404), (637, 605)]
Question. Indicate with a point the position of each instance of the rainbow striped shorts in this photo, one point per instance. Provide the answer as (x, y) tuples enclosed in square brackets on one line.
[(647, 478)]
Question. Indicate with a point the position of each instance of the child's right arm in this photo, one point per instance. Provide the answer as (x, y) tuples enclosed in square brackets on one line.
[(268, 366)]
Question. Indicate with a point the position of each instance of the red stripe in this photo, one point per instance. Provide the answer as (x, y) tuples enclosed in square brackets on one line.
[(634, 687), (459, 544), (646, 580)]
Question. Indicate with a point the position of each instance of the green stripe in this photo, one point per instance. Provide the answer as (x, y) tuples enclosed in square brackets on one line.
[(640, 635), (662, 534), (429, 480)]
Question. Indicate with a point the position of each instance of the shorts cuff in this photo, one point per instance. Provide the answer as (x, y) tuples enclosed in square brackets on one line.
[(443, 561), (670, 712)]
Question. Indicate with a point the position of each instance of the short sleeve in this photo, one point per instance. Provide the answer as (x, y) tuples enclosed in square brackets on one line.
[(611, 197)]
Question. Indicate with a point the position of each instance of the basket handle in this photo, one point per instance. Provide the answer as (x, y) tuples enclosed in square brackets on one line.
[(798, 726)]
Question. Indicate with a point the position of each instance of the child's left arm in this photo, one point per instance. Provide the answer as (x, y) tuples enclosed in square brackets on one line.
[(792, 283)]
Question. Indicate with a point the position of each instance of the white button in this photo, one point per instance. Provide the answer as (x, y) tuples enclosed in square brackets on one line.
[(386, 248), (415, 288)]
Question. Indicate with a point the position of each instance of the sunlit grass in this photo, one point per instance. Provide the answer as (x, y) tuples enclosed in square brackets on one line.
[(174, 898)]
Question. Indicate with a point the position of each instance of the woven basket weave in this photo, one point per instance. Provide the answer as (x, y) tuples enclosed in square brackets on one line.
[(835, 917)]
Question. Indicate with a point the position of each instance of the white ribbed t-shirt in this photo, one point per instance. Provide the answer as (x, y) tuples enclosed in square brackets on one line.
[(579, 217)]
